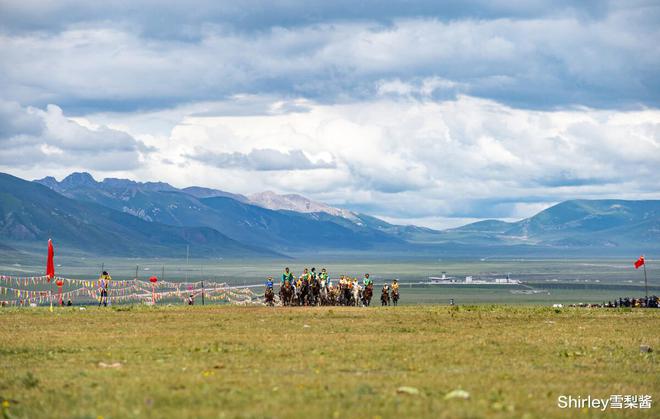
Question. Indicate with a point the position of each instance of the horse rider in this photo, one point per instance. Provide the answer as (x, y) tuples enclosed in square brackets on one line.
[(286, 276), (269, 294), (301, 279), (323, 276), (395, 286), (385, 296), (305, 277), (367, 281)]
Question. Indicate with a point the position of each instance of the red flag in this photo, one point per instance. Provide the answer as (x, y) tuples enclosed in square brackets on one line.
[(50, 265), (639, 262)]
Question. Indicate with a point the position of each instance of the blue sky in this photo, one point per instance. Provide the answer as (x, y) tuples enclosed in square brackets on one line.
[(425, 112)]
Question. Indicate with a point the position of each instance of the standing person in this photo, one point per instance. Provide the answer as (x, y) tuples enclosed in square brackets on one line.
[(104, 284)]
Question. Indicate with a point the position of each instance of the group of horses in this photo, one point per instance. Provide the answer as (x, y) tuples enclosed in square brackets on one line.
[(314, 294)]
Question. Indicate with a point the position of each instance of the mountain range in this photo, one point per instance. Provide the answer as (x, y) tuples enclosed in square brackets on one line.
[(127, 218)]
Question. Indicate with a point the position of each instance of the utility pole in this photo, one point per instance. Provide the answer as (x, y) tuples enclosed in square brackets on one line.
[(187, 256), (646, 284), (201, 269)]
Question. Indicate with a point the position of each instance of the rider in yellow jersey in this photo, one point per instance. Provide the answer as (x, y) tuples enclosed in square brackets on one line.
[(395, 286)]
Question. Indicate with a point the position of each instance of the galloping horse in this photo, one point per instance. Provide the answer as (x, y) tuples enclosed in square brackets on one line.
[(314, 292), (345, 295), (384, 297), (324, 296), (367, 294), (269, 297), (286, 293), (395, 297), (333, 295), (303, 293), (357, 295)]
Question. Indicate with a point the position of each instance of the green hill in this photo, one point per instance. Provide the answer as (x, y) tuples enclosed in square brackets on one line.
[(31, 213)]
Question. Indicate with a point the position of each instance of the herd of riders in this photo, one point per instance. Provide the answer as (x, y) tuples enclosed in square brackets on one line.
[(314, 288)]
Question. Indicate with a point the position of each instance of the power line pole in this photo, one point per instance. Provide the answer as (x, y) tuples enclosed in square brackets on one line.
[(646, 284), (201, 269), (187, 256)]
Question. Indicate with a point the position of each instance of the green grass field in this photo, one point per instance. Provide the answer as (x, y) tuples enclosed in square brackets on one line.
[(227, 361)]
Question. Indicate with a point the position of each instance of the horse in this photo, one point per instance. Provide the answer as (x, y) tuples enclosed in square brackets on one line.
[(303, 293), (286, 294), (345, 295), (324, 296), (315, 291), (395, 297), (384, 297), (367, 294), (356, 297), (269, 297), (333, 295)]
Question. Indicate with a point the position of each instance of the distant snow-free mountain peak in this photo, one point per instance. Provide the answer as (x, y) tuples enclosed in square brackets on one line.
[(78, 179), (202, 192)]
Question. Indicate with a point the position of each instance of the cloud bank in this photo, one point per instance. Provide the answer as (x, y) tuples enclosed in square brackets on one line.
[(428, 112), (543, 56), (36, 138)]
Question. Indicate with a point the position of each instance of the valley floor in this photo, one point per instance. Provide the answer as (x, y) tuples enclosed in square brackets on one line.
[(224, 361)]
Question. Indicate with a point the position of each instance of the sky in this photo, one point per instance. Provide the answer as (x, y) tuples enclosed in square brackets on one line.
[(419, 112)]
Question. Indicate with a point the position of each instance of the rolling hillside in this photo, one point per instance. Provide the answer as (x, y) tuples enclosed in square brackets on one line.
[(286, 231), (577, 224), (31, 213), (137, 218)]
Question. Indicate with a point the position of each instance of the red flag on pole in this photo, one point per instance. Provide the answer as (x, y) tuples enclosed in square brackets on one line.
[(50, 265), (639, 262)]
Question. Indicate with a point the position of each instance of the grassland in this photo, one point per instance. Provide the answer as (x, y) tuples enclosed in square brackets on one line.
[(227, 361)]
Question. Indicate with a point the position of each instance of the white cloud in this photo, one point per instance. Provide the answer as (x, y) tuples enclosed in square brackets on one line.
[(423, 160), (32, 138), (426, 111), (260, 159), (543, 62)]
